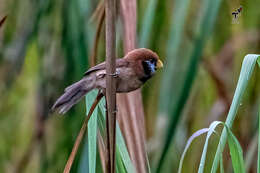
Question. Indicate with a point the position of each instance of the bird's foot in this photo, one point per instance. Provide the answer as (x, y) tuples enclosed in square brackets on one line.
[(113, 112), (115, 75)]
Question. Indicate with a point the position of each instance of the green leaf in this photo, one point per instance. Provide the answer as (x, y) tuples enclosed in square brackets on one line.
[(234, 146), (92, 132), (90, 146), (204, 152), (193, 136), (122, 149), (147, 23), (236, 153), (122, 155), (119, 163), (245, 74), (221, 165)]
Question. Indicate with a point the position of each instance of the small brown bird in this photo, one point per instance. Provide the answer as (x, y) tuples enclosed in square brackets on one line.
[(132, 72)]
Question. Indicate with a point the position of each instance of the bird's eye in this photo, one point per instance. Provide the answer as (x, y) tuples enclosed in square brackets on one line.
[(152, 60)]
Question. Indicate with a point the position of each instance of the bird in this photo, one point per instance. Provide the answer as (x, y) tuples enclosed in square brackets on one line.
[(132, 71), (237, 11)]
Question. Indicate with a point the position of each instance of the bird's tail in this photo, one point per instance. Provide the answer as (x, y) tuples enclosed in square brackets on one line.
[(72, 95)]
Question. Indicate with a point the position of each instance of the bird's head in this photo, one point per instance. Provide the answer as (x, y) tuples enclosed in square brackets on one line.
[(147, 62)]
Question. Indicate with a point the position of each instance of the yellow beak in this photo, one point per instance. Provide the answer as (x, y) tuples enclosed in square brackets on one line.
[(159, 64)]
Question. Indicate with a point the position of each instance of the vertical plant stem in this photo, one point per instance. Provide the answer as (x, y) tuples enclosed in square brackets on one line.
[(93, 58), (102, 151), (108, 143), (110, 82), (130, 105), (81, 134)]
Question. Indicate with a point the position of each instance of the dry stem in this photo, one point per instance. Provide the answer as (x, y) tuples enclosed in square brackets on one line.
[(81, 134)]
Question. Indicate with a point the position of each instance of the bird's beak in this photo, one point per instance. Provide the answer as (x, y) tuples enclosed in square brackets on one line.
[(159, 64)]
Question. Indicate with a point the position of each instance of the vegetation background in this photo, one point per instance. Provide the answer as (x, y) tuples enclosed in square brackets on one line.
[(46, 45)]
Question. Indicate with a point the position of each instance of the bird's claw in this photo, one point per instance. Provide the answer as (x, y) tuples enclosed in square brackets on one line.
[(115, 75), (113, 112)]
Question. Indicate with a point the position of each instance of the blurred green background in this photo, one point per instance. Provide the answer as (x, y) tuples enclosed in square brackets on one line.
[(45, 45)]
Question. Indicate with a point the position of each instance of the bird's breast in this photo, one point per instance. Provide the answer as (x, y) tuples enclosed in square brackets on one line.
[(127, 80)]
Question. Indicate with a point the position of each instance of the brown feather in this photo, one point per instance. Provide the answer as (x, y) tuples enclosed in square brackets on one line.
[(102, 66), (130, 72), (141, 54)]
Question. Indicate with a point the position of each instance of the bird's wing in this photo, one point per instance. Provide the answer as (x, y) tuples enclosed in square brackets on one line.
[(102, 66)]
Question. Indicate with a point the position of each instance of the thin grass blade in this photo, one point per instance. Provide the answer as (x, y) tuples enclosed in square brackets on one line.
[(122, 154), (245, 74), (236, 153), (92, 132), (195, 135), (147, 23), (221, 165), (81, 135), (205, 148)]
